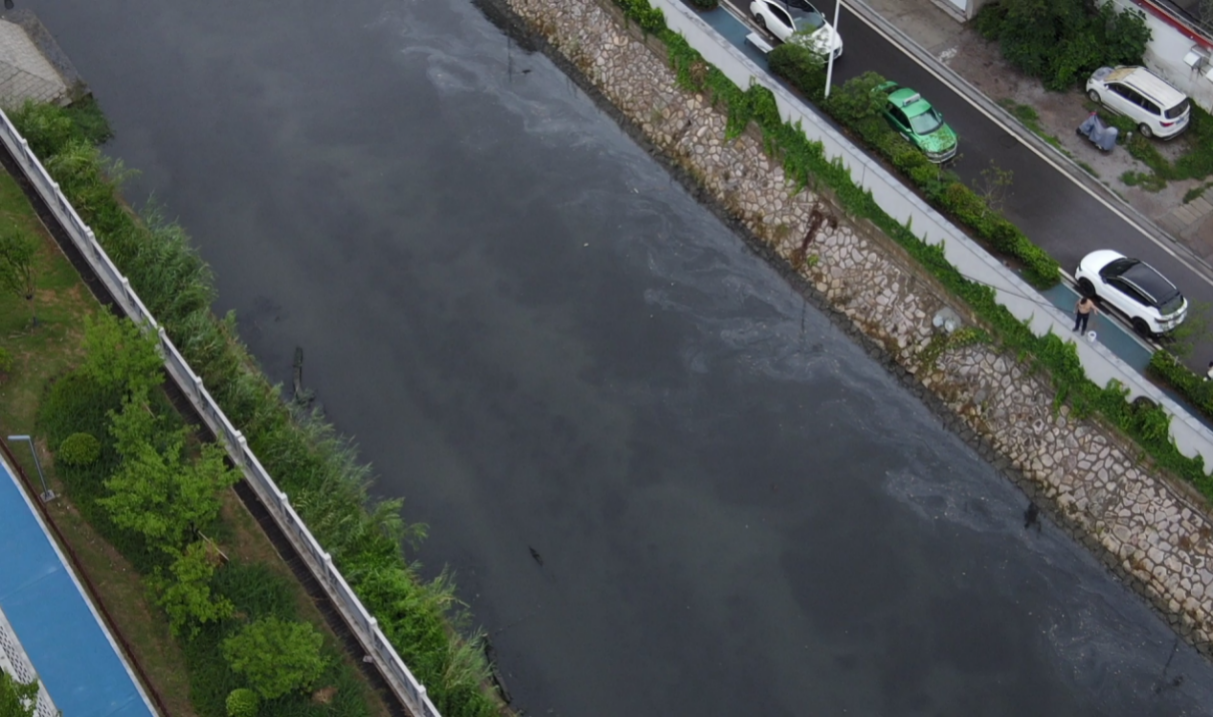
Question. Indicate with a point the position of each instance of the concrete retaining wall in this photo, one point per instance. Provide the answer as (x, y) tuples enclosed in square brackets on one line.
[(1146, 529)]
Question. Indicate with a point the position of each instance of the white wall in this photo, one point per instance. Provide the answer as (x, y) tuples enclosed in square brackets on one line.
[(1165, 56)]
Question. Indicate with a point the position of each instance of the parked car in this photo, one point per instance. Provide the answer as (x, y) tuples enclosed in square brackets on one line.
[(918, 122), (1151, 302), (784, 19), (1159, 109)]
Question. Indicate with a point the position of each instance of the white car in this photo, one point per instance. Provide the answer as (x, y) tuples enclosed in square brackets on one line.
[(784, 18), (1159, 109), (1151, 302)]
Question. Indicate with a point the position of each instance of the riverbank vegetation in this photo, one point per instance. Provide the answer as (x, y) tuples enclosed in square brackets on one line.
[(142, 504), (143, 451), (805, 162)]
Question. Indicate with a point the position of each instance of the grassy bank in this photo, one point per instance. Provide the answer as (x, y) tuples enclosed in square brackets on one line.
[(188, 675), (307, 458)]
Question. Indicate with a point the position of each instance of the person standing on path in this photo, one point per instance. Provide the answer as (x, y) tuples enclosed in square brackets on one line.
[(1082, 313)]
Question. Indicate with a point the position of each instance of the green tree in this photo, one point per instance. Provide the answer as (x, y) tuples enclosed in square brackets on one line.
[(242, 702), (17, 699), (155, 492), (118, 353), (18, 270), (276, 656), (856, 101), (185, 592), (800, 65), (1063, 41)]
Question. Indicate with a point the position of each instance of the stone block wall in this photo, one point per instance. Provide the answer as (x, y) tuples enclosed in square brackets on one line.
[(1152, 532)]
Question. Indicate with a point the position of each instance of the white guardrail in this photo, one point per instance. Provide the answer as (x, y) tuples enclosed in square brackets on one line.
[(1190, 435), (319, 562)]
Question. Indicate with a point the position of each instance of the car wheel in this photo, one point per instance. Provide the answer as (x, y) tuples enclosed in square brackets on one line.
[(1094, 95), (1142, 328), (1086, 288), (761, 22), (1145, 130)]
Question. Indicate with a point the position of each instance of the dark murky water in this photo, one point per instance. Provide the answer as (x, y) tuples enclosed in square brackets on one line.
[(543, 343)]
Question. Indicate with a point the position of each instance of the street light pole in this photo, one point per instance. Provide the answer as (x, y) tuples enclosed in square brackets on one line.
[(47, 494), (830, 48)]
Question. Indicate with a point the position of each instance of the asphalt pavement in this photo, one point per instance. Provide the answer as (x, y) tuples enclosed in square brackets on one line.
[(1062, 212)]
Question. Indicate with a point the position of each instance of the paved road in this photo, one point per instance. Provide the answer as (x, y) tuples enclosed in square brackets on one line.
[(1055, 212)]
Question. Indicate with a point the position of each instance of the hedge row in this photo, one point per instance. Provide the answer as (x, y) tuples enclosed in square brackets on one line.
[(804, 161), (307, 458), (852, 106)]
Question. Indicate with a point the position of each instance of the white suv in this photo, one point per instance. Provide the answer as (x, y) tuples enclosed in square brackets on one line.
[(1159, 109), (1134, 288)]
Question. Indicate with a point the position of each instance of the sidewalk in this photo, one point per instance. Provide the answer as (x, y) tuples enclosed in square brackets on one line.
[(969, 55)]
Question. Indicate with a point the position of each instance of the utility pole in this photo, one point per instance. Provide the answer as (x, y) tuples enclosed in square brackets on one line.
[(830, 47)]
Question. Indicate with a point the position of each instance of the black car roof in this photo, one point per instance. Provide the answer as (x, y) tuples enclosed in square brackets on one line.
[(1147, 278)]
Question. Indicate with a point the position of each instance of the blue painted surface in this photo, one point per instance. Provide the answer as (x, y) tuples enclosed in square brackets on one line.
[(62, 636), (732, 29), (1110, 333)]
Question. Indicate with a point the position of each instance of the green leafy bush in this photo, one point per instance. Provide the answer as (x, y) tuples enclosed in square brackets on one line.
[(117, 353), (7, 362), (183, 591), (276, 656), (706, 4), (79, 449), (17, 699), (1063, 41), (800, 66), (242, 702), (650, 19)]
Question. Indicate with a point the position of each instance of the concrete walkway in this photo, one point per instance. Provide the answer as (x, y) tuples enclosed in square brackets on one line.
[(32, 66)]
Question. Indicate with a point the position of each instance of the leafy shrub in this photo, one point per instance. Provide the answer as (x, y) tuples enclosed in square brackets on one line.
[(1063, 41), (242, 702), (45, 127), (183, 591), (706, 4), (800, 66), (650, 19), (276, 656), (118, 354), (79, 449), (857, 101), (7, 362), (17, 699)]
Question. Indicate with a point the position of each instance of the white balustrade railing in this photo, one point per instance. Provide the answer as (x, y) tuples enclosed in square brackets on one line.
[(365, 627)]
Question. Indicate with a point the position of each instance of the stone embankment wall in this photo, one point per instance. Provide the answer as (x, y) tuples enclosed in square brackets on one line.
[(1146, 529)]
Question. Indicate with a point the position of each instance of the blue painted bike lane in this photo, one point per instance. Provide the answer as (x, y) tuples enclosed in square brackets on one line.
[(63, 636)]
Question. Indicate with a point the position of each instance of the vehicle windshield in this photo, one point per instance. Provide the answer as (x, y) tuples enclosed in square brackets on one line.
[(1172, 305), (926, 123), (1178, 110), (807, 20)]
